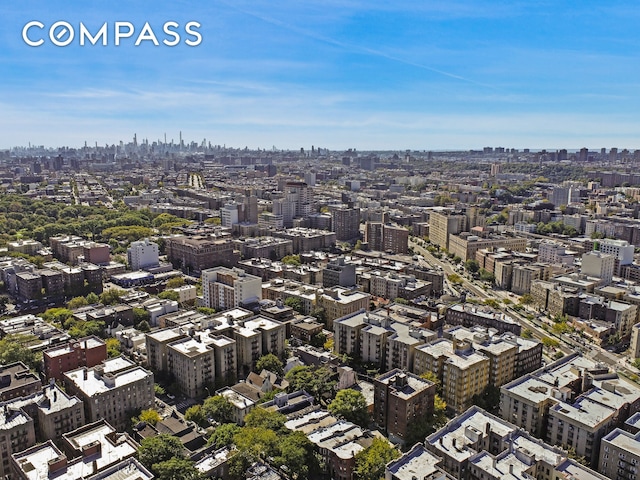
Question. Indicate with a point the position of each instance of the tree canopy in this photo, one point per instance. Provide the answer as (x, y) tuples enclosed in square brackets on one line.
[(317, 381), (350, 405), (223, 435), (371, 461), (15, 348), (271, 363), (158, 449), (218, 408)]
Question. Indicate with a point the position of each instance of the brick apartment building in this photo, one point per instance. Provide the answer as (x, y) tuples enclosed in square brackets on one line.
[(85, 352)]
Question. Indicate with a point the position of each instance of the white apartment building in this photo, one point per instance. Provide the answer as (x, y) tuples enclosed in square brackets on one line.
[(142, 254), (225, 288)]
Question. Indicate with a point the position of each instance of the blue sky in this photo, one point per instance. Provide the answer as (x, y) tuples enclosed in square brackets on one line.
[(432, 75)]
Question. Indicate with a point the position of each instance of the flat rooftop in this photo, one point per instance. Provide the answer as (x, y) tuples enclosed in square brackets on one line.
[(417, 463)]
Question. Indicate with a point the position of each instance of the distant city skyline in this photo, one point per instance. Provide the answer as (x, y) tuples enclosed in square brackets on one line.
[(187, 144), (337, 74)]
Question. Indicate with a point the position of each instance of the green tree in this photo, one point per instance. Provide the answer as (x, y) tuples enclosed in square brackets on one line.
[(218, 408), (561, 327), (149, 416), (158, 449), (291, 260), (223, 435), (77, 302), (57, 315), (492, 302), (550, 342), (164, 218), (112, 296), (175, 282), (294, 303), (176, 468), (320, 314), (486, 276), (113, 347), (296, 453), (257, 443), (526, 299), (92, 298), (144, 326), (371, 461), (15, 348), (196, 415), (317, 381), (433, 378), (352, 406), (140, 315), (526, 333), (271, 363), (471, 265), (206, 310), (169, 295), (261, 418), (318, 340), (455, 278), (401, 301), (571, 453)]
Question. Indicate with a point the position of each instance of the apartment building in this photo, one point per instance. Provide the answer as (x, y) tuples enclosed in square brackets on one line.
[(465, 245), (620, 455), (603, 402), (201, 360), (283, 289), (387, 237), (225, 288), (471, 315), (337, 272), (17, 433), (393, 285), (442, 224), (265, 247), (53, 411), (469, 433), (228, 344), (337, 442), (112, 390), (417, 461), (400, 399), (378, 338), (16, 380), (142, 254), (85, 452), (307, 239), (85, 352), (339, 301), (599, 265), (523, 275), (551, 252), (346, 223), (194, 254), (479, 446), (462, 371), (501, 351), (621, 250), (551, 296), (572, 402)]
